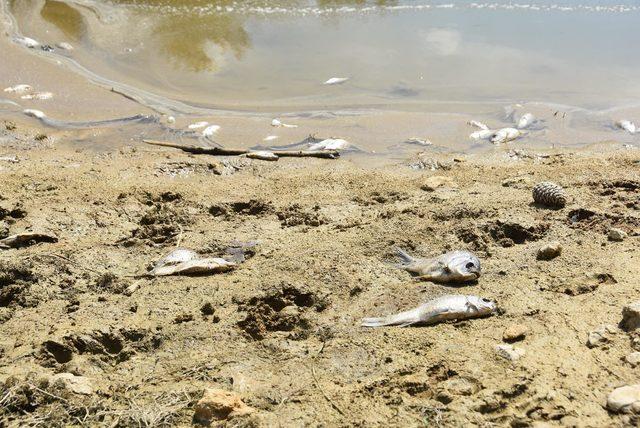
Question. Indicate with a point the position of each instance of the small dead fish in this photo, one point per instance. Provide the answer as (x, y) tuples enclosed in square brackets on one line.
[(454, 266), (34, 113), (25, 239), (278, 124), (525, 121), (483, 134), (330, 144), (198, 125), (445, 308), (210, 130), (64, 46), (38, 96), (27, 42), (627, 125), (186, 262), (505, 135), (18, 89), (336, 80), (262, 155), (478, 125), (270, 138)]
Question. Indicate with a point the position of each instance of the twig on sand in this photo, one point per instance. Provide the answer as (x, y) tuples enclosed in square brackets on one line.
[(219, 151), (324, 394)]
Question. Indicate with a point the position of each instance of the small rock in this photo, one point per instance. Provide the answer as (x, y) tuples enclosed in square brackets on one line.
[(218, 404), (436, 182), (76, 384), (550, 251), (631, 317), (515, 332), (509, 352), (633, 358), (624, 399), (617, 235), (601, 336)]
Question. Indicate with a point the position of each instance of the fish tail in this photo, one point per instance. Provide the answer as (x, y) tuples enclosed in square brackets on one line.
[(402, 319), (405, 258)]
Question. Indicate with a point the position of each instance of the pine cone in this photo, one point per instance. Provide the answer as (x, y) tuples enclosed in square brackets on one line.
[(549, 194)]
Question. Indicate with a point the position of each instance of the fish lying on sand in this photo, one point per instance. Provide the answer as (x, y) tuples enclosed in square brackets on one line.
[(186, 262), (505, 135), (336, 80), (278, 124), (27, 42), (445, 308), (454, 266), (330, 144)]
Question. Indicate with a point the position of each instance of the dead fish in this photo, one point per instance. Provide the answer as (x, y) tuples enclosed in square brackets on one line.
[(264, 155), (483, 134), (25, 239), (186, 262), (505, 135), (525, 121), (445, 308), (278, 124), (210, 130), (64, 46), (38, 96), (27, 42), (627, 125), (18, 89), (270, 138), (330, 144), (34, 113), (478, 125), (336, 80), (454, 266), (198, 125)]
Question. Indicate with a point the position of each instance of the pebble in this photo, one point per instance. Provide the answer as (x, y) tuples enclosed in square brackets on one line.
[(601, 336), (76, 384), (515, 332), (617, 235), (631, 316), (509, 352), (550, 251), (624, 399), (633, 358), (218, 404), (436, 182)]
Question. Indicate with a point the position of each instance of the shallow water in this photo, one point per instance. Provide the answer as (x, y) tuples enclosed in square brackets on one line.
[(399, 55)]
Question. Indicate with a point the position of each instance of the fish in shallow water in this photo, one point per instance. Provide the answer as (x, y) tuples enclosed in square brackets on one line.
[(336, 80), (454, 266), (525, 121), (627, 125), (445, 308), (505, 135)]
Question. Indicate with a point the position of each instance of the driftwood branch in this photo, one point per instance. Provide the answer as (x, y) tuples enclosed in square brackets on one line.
[(220, 151)]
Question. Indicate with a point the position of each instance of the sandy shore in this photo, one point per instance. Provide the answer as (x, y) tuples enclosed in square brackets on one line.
[(282, 330)]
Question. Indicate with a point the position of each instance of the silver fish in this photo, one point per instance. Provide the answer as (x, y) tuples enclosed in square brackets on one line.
[(186, 262), (445, 308), (454, 266)]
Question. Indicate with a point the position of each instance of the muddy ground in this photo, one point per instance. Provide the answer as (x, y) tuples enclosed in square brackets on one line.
[(282, 329)]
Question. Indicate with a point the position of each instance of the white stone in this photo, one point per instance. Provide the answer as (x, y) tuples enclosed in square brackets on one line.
[(77, 384), (624, 399), (509, 352)]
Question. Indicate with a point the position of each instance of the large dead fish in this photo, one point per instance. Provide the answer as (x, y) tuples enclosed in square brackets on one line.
[(445, 308), (454, 266), (186, 262)]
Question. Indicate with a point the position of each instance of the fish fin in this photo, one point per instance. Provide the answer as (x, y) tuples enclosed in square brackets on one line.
[(405, 258)]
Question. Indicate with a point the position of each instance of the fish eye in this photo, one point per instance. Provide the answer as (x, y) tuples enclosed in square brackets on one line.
[(469, 265), (486, 300)]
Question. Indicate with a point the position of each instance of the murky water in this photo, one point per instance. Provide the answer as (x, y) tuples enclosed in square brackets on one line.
[(399, 55)]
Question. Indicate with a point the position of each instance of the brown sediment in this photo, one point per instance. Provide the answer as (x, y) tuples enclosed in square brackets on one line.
[(282, 329)]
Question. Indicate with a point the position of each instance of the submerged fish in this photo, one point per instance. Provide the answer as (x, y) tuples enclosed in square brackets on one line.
[(27, 42), (445, 308), (336, 80), (198, 125), (34, 113), (270, 138), (18, 89), (65, 46), (525, 121), (454, 266), (478, 125), (483, 134), (505, 135), (278, 124), (38, 96), (627, 125), (419, 141)]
